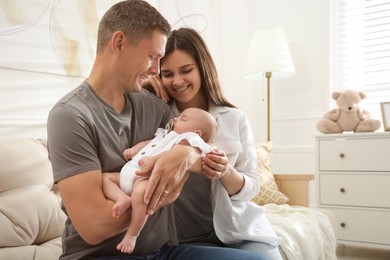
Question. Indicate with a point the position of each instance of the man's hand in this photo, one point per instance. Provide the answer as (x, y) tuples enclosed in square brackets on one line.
[(168, 173), (169, 197)]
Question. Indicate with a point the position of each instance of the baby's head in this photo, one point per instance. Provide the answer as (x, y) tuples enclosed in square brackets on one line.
[(198, 121)]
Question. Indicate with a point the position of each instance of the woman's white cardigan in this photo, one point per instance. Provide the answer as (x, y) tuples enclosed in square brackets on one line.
[(235, 217)]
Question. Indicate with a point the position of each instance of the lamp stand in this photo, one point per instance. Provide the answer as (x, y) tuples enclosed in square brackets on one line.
[(268, 75)]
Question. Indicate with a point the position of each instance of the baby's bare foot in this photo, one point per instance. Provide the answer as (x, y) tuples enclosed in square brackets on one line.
[(120, 207), (127, 244)]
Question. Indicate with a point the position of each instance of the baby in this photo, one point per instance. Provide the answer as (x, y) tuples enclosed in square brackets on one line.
[(193, 126)]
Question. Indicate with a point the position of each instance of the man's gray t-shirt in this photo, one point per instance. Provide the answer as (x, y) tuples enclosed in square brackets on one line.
[(84, 134)]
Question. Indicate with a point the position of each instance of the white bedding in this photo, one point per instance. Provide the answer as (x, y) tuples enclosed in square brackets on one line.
[(306, 234)]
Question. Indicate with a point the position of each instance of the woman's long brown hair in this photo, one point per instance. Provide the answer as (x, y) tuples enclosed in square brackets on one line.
[(189, 41)]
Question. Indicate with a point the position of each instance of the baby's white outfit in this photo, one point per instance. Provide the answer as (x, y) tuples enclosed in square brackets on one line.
[(164, 140)]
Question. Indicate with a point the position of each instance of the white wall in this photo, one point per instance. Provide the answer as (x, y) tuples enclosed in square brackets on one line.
[(296, 102), (26, 98)]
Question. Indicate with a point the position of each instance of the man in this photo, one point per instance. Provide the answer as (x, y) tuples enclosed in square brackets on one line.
[(90, 127)]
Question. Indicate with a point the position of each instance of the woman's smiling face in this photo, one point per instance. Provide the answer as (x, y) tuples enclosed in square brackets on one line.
[(181, 77)]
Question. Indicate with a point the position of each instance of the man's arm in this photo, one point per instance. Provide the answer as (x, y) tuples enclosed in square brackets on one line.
[(88, 209), (169, 171)]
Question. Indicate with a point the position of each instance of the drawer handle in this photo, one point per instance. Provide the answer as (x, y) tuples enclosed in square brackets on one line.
[(342, 190), (342, 224), (341, 155)]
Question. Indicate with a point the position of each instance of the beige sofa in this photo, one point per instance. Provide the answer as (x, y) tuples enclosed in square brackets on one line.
[(31, 219)]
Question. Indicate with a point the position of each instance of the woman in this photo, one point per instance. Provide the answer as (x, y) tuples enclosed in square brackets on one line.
[(189, 76)]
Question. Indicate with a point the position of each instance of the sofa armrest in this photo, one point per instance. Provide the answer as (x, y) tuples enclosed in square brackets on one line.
[(295, 187)]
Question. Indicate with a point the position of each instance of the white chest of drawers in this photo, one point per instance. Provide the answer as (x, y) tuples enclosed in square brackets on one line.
[(353, 173)]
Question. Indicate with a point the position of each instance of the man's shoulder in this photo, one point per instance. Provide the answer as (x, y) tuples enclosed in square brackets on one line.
[(71, 105), (74, 96), (142, 94), (148, 101), (145, 96)]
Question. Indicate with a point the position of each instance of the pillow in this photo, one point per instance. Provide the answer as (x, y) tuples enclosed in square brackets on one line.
[(30, 213), (269, 192), (23, 162)]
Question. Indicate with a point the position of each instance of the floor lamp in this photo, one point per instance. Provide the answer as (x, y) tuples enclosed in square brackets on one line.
[(269, 56)]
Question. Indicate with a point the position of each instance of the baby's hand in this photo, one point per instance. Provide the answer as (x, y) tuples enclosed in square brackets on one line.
[(129, 153)]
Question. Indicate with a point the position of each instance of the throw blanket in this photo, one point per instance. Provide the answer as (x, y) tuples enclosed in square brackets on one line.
[(305, 233)]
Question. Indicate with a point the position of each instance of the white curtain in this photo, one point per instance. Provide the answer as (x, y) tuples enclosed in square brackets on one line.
[(362, 49)]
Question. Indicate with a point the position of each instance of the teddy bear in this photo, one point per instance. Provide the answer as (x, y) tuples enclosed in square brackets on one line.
[(347, 116)]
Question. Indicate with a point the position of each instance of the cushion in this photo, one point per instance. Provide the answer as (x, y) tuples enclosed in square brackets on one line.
[(30, 212), (50, 250), (23, 162), (269, 192)]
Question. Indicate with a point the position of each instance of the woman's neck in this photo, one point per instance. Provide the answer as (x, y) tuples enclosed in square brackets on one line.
[(198, 101)]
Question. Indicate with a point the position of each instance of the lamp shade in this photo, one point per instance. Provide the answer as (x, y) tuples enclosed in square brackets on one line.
[(269, 52)]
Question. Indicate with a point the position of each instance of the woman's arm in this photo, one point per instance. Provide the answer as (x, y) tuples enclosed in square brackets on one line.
[(237, 170)]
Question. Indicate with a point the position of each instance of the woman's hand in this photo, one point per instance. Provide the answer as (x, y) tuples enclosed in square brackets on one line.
[(159, 88), (215, 164)]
